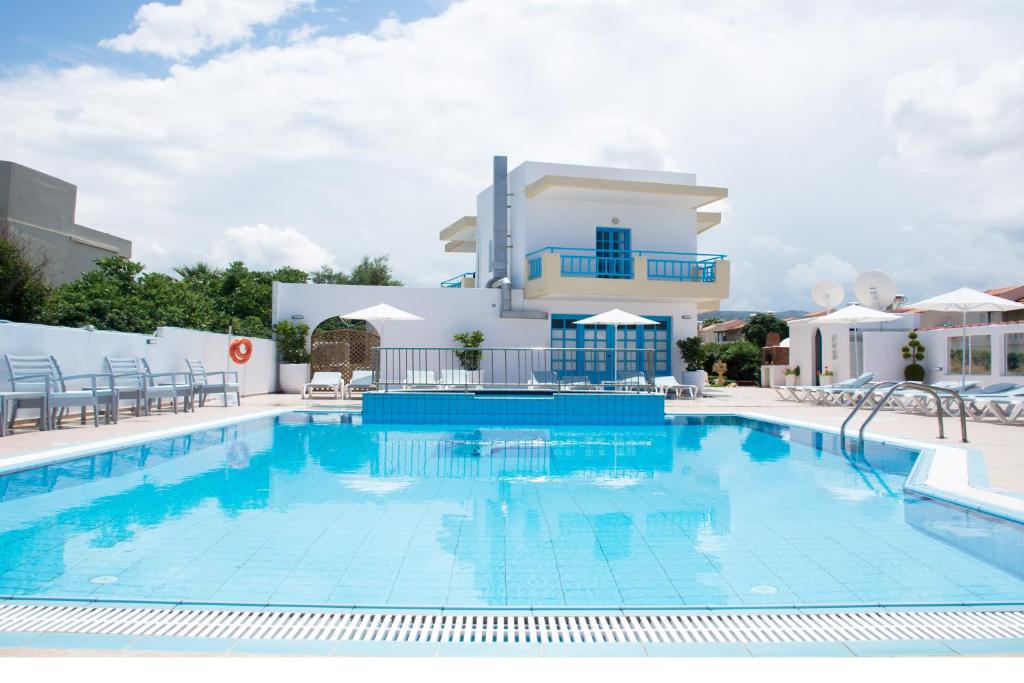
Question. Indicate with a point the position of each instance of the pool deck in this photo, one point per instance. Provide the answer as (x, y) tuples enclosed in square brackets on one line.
[(1000, 444)]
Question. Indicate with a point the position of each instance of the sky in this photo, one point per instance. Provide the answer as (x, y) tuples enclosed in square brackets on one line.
[(852, 136)]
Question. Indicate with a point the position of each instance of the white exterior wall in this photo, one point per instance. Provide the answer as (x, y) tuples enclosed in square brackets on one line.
[(447, 312), (80, 351), (566, 217), (936, 343)]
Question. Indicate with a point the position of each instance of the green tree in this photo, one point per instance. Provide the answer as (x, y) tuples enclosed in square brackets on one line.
[(708, 322), (742, 358), (760, 325), (328, 276), (291, 341), (373, 271), (23, 285)]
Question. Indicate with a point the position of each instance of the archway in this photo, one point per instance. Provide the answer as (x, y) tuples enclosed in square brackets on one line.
[(343, 346)]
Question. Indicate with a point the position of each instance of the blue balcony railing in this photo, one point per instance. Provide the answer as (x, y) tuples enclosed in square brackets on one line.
[(456, 282), (680, 266)]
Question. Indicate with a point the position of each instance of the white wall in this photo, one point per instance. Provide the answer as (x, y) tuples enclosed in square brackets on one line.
[(449, 311), (882, 354), (80, 351), (936, 344)]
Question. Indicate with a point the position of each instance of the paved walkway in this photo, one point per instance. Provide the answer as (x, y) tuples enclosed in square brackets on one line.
[(1003, 445)]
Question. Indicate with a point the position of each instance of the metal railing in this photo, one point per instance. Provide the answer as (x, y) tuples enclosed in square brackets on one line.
[(456, 282), (465, 369), (895, 386), (681, 266)]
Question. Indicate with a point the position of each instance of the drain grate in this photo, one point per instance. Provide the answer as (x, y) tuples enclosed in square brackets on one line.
[(529, 628)]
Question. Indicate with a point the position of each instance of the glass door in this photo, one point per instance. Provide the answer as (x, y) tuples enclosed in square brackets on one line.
[(614, 253)]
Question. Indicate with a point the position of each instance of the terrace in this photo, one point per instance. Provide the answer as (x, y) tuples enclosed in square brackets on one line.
[(571, 271)]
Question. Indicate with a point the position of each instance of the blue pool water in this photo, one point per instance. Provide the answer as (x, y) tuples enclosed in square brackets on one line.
[(308, 508)]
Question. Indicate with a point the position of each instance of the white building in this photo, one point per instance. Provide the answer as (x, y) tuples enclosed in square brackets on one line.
[(995, 346), (555, 243)]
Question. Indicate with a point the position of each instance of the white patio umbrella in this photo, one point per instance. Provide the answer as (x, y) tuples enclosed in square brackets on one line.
[(856, 315), (616, 317), (379, 314), (966, 300)]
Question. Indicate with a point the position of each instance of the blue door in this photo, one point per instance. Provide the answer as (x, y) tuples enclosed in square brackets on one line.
[(593, 343), (614, 253)]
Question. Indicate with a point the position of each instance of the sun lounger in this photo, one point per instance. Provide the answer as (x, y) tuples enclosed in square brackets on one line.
[(362, 380), (668, 385), (839, 394), (632, 381), (916, 401), (1003, 406), (457, 379), (543, 379), (324, 382), (420, 378)]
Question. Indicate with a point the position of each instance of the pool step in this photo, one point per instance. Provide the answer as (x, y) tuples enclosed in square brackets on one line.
[(515, 628)]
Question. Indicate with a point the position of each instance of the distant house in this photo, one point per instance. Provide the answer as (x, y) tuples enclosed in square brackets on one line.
[(728, 331), (1013, 293), (39, 210)]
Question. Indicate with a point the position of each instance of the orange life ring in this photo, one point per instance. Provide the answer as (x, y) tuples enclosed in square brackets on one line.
[(240, 350)]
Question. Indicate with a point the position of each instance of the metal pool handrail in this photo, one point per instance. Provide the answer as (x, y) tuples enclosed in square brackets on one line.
[(895, 386)]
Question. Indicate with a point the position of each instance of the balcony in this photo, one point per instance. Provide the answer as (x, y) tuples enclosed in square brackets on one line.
[(572, 272), (467, 280)]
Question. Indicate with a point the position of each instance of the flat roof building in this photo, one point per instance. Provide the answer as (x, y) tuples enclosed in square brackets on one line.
[(39, 210)]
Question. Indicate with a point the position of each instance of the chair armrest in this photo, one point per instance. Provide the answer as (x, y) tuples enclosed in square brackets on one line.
[(92, 380), (187, 377)]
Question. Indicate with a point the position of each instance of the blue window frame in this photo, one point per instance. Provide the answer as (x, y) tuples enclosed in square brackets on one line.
[(614, 253), (596, 365)]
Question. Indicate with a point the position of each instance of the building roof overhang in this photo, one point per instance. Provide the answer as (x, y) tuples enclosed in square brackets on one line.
[(460, 235), (698, 195)]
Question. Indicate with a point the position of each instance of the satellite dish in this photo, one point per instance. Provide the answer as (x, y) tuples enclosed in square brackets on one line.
[(874, 290), (828, 294)]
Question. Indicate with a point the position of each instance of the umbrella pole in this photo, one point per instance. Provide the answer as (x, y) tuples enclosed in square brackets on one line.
[(963, 360)]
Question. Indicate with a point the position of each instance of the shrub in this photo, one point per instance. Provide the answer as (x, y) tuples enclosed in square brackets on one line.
[(470, 360), (914, 352), (742, 358), (291, 341), (692, 352)]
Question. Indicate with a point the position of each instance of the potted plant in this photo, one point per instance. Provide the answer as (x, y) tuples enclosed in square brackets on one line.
[(914, 352), (693, 354), (792, 375), (293, 370), (826, 377), (471, 355)]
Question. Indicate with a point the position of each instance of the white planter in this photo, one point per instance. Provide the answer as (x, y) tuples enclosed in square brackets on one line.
[(825, 381), (791, 380), (291, 377), (698, 378)]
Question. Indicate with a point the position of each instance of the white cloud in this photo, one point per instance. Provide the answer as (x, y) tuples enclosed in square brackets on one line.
[(801, 278), (266, 247), (370, 143), (194, 26)]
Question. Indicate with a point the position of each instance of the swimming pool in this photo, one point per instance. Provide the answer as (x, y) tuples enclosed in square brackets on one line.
[(316, 509)]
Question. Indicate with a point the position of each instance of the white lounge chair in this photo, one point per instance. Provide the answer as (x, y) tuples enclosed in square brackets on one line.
[(839, 393), (543, 379), (457, 379), (324, 382), (668, 385), (916, 401), (41, 375), (204, 384), (362, 380), (634, 380), (1005, 410), (1006, 407), (420, 378)]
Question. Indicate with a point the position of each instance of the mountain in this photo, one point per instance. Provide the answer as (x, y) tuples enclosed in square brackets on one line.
[(743, 315)]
